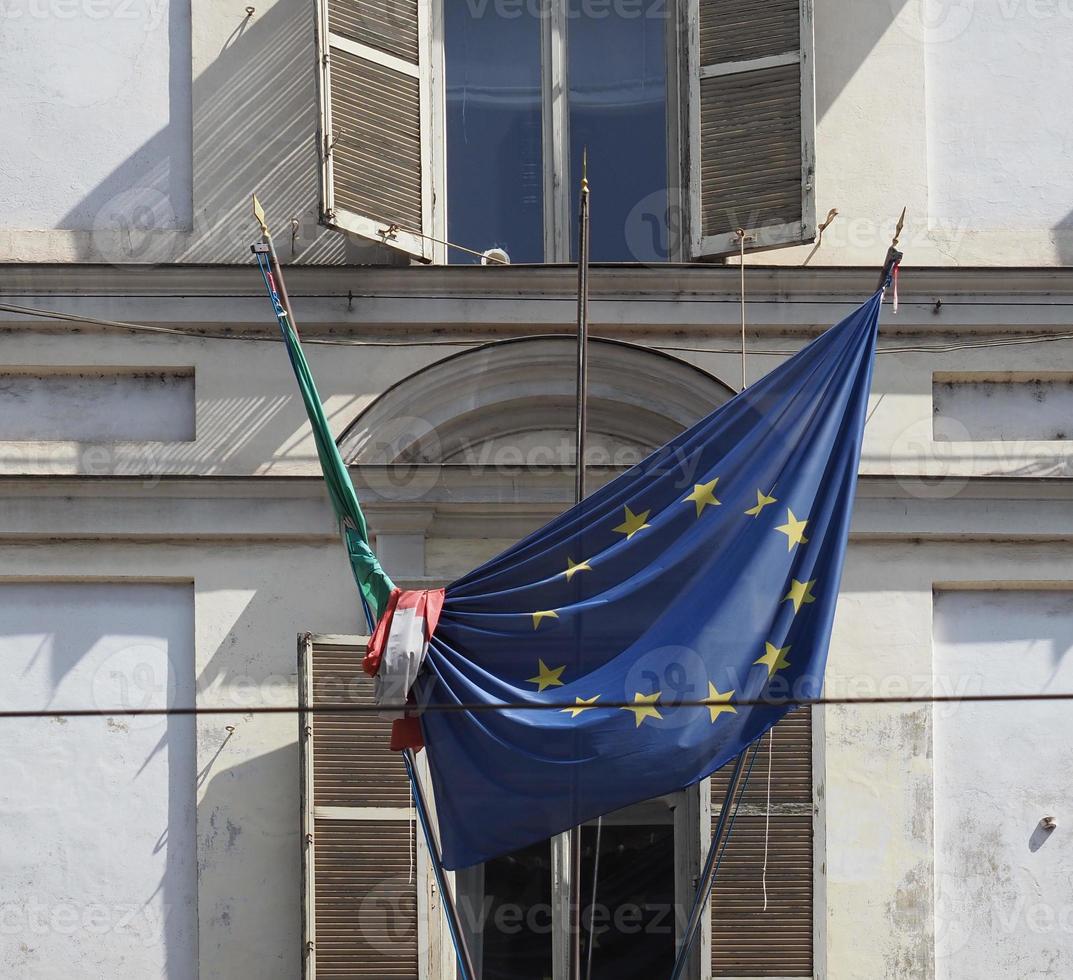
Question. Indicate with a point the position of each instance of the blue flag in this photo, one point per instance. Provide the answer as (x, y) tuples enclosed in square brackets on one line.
[(708, 573)]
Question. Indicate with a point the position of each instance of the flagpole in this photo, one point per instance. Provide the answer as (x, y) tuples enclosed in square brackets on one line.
[(462, 953), (458, 939), (570, 841), (582, 329), (711, 868)]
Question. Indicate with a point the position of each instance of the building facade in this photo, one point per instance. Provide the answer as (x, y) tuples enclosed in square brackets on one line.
[(165, 538)]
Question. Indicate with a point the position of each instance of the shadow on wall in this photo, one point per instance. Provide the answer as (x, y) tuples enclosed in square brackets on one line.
[(254, 122), (847, 33), (116, 793), (244, 854), (1064, 240)]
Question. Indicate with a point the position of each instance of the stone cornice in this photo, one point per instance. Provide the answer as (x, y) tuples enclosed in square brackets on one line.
[(467, 505), (470, 301)]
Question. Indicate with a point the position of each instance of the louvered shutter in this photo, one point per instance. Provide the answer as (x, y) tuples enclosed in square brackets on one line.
[(752, 124), (747, 941), (361, 903), (380, 120)]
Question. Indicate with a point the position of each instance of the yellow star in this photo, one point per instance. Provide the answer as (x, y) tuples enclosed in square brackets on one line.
[(774, 658), (588, 703), (644, 707), (703, 495), (573, 567), (717, 702), (633, 523), (800, 594), (794, 530), (547, 677), (762, 500), (543, 614)]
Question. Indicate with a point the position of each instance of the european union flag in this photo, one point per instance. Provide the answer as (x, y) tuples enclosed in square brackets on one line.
[(708, 573)]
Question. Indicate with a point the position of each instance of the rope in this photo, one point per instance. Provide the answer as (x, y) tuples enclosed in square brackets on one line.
[(737, 806), (767, 810), (741, 264)]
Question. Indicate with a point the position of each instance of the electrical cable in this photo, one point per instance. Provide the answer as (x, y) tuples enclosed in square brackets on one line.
[(346, 342), (370, 708)]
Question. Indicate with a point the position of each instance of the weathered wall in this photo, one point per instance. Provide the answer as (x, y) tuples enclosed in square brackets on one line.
[(99, 848), (241, 514), (1003, 903), (98, 113)]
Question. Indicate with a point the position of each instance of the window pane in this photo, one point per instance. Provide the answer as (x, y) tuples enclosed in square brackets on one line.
[(494, 164), (633, 917), (618, 108), (517, 915)]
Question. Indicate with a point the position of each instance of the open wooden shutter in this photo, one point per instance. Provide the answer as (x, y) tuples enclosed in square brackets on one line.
[(380, 120), (746, 940), (361, 901), (752, 124)]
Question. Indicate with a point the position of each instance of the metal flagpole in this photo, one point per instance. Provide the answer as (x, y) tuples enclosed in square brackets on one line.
[(582, 329), (277, 291), (711, 867), (465, 960), (570, 841)]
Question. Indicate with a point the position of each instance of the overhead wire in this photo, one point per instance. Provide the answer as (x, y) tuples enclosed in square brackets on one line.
[(196, 334), (358, 708)]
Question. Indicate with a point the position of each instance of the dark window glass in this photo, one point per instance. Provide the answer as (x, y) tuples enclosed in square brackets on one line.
[(494, 161), (618, 109), (517, 915), (634, 922)]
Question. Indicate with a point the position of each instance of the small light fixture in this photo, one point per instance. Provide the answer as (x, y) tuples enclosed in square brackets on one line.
[(495, 256)]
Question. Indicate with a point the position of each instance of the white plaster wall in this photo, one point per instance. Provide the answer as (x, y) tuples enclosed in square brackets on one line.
[(97, 406), (1004, 898), (97, 111), (999, 136), (98, 815), (1005, 410)]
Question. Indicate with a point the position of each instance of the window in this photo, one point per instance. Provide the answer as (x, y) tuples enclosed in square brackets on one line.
[(495, 170), (468, 121), (370, 899)]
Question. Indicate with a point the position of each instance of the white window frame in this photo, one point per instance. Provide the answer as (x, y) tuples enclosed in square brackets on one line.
[(555, 83)]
